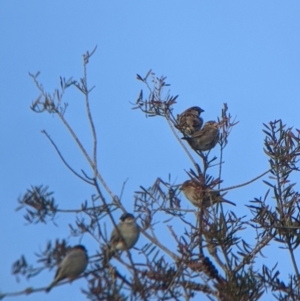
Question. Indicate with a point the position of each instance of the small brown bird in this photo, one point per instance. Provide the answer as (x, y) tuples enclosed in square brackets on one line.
[(206, 138), (129, 230), (199, 198), (190, 121), (72, 265)]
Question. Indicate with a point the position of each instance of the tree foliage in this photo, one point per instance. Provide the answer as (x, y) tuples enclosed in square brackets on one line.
[(212, 257)]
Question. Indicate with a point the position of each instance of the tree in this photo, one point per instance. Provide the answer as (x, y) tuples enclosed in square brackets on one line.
[(211, 255)]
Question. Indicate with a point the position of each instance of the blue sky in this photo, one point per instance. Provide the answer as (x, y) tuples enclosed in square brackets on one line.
[(243, 53)]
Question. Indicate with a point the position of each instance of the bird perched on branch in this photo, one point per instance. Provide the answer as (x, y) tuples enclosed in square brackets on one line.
[(190, 121), (199, 197), (73, 264), (123, 237), (206, 138)]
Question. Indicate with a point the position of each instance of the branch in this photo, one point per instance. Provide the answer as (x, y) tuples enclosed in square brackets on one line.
[(64, 161), (181, 143), (86, 60), (244, 184), (156, 242)]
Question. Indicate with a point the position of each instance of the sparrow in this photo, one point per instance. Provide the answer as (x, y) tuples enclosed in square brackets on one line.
[(190, 121), (199, 197), (206, 138), (73, 264), (129, 231)]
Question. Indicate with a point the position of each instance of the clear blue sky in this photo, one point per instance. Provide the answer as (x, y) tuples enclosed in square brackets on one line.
[(244, 53)]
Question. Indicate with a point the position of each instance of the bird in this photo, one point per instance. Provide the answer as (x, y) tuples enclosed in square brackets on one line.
[(73, 264), (200, 197), (190, 121), (206, 138), (123, 237)]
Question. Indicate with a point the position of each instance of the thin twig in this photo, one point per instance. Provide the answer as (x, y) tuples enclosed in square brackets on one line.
[(123, 187), (256, 250), (245, 183), (239, 185), (87, 103), (82, 210), (64, 161), (119, 234), (180, 142), (156, 242)]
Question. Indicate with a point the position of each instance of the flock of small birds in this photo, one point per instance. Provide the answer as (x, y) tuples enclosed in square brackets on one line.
[(123, 237), (200, 139), (127, 232), (190, 123)]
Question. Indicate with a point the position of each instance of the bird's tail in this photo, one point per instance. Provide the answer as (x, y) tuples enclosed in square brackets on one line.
[(48, 289), (53, 283), (220, 197)]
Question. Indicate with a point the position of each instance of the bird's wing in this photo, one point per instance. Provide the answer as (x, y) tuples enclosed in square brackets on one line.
[(115, 237)]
